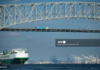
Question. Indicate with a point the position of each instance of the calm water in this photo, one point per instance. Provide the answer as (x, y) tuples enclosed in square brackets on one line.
[(54, 67)]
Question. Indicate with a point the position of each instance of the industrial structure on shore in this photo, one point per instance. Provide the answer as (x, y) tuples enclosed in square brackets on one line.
[(90, 59)]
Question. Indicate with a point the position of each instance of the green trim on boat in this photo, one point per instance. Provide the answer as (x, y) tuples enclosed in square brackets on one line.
[(14, 61)]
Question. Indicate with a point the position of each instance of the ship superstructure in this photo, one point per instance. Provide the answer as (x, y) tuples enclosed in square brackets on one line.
[(16, 56)]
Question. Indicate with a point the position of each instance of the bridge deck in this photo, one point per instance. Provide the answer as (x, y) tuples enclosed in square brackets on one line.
[(50, 30)]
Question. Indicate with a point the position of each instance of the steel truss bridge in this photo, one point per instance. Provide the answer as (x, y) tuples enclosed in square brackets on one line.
[(23, 13)]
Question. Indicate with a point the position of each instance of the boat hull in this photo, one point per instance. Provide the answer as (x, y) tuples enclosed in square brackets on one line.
[(14, 61)]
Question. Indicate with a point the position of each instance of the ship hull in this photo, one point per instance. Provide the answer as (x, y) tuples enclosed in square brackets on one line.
[(14, 61), (16, 56)]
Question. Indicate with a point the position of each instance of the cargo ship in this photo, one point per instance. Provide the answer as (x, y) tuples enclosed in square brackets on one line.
[(16, 56)]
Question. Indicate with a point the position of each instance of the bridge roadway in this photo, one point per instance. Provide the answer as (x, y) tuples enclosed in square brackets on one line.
[(50, 30)]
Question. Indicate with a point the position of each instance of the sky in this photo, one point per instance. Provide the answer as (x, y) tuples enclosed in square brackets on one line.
[(41, 45)]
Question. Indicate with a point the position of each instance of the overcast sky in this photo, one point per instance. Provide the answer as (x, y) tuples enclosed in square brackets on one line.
[(41, 45)]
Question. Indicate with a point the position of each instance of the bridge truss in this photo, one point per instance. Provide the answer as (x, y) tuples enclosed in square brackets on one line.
[(23, 13)]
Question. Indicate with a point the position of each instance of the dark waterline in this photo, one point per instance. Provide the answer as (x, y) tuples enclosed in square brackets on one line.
[(54, 67)]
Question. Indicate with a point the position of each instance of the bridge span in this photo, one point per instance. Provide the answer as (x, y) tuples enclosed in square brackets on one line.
[(50, 30), (13, 14)]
